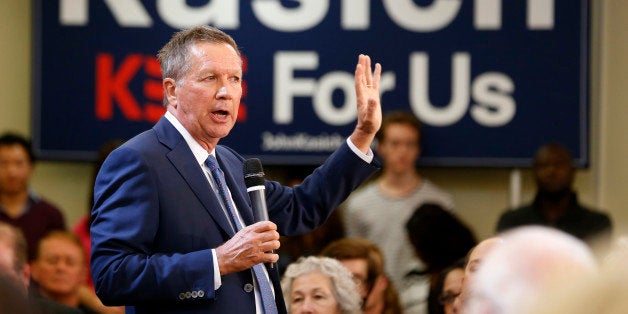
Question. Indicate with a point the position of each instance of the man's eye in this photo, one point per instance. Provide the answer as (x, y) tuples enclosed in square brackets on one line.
[(235, 79)]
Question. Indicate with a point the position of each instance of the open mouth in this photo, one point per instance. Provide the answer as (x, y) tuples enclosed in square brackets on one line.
[(221, 113)]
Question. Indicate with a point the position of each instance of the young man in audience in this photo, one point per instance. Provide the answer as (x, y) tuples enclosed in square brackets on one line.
[(60, 271), (15, 271), (19, 206), (380, 210), (556, 204), (365, 261)]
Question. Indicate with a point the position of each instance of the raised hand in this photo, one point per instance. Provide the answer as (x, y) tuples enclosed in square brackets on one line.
[(368, 103), (250, 246)]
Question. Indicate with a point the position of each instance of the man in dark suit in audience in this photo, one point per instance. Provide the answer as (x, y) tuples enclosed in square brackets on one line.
[(556, 203)]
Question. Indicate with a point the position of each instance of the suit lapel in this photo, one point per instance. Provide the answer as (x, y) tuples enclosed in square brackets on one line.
[(183, 160)]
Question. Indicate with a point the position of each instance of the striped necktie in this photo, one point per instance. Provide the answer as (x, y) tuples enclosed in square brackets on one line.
[(268, 300)]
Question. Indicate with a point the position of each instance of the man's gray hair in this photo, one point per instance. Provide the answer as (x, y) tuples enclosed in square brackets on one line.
[(174, 55)]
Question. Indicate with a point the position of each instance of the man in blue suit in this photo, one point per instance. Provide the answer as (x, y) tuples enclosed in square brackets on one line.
[(168, 235)]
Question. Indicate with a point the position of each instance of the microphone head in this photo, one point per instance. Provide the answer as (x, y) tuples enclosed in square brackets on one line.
[(253, 172)]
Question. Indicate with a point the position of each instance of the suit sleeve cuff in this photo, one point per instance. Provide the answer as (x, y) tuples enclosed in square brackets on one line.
[(217, 279), (368, 157)]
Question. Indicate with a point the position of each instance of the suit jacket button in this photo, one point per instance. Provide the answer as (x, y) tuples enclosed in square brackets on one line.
[(201, 293), (194, 294), (248, 287), (188, 295), (181, 296)]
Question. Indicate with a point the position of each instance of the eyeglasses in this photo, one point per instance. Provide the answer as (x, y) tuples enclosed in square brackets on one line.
[(447, 298)]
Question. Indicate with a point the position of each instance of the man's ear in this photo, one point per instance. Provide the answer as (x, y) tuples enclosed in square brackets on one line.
[(25, 275), (170, 90)]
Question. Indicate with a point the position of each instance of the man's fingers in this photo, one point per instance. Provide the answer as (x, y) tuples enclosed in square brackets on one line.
[(263, 226), (378, 75)]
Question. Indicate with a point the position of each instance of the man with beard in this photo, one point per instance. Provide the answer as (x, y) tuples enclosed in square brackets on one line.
[(556, 204)]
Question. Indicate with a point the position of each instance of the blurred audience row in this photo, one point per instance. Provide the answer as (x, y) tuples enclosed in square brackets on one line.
[(51, 263), (395, 246)]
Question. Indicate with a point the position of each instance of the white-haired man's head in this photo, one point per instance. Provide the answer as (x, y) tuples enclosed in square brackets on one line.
[(529, 260)]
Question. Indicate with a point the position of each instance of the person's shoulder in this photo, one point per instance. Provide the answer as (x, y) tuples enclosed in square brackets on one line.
[(595, 214), (514, 217), (361, 196), (516, 212), (429, 191), (41, 204), (47, 306), (228, 152), (429, 186)]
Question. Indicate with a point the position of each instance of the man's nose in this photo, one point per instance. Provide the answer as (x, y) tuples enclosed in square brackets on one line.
[(222, 93)]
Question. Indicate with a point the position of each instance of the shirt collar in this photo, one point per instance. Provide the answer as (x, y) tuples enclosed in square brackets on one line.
[(199, 152)]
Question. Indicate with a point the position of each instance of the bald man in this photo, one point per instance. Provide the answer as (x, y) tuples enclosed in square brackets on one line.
[(474, 258), (518, 271)]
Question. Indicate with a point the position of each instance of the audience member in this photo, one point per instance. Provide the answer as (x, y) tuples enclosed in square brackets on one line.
[(379, 210), (439, 239), (556, 204), (473, 261), (19, 206), (15, 273), (13, 299), (447, 288), (59, 269), (530, 260), (320, 285), (366, 262)]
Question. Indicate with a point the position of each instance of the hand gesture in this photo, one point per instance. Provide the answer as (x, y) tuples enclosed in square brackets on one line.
[(252, 245), (368, 103)]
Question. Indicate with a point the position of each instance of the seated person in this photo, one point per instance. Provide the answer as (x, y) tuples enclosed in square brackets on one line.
[(473, 262), (321, 285), (366, 262), (15, 272), (439, 239), (447, 288), (59, 269), (530, 261)]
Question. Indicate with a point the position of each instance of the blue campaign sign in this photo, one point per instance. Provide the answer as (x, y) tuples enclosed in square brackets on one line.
[(491, 80)]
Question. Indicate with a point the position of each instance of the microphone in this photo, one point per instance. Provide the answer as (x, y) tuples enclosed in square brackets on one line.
[(254, 180)]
